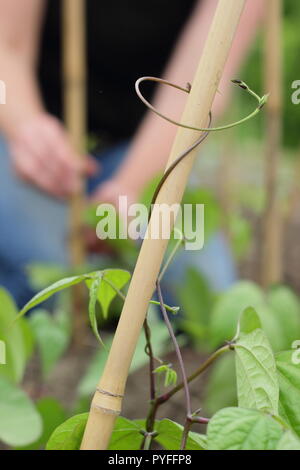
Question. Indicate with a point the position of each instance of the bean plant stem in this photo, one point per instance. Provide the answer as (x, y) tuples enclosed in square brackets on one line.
[(185, 434), (153, 302), (157, 401), (149, 351), (185, 380), (171, 257), (154, 404), (165, 397), (160, 400), (177, 350), (147, 442)]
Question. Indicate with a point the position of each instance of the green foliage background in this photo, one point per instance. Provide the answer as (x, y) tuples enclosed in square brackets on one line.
[(253, 74)]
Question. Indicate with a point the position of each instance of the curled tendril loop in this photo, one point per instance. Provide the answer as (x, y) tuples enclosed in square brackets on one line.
[(261, 102)]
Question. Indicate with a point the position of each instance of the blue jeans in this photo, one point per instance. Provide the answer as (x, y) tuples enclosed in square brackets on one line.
[(33, 228)]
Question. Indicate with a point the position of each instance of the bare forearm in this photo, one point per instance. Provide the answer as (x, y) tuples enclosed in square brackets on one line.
[(20, 24)]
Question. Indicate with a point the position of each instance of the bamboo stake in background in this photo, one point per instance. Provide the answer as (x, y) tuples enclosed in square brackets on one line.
[(271, 270), (74, 72), (106, 404)]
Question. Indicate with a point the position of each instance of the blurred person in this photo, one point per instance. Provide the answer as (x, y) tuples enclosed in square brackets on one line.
[(38, 166)]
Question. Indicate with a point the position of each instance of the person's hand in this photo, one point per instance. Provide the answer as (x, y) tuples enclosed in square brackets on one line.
[(42, 154)]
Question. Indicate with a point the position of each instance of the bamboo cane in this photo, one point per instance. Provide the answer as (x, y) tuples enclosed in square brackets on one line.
[(272, 224), (74, 66), (106, 404)]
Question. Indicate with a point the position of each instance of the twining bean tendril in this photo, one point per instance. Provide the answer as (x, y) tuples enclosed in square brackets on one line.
[(204, 131)]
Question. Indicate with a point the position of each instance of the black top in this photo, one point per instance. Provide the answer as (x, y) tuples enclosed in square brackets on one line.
[(126, 40)]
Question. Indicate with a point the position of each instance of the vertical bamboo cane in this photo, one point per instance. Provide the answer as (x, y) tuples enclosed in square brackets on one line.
[(272, 224), (106, 404), (74, 66)]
